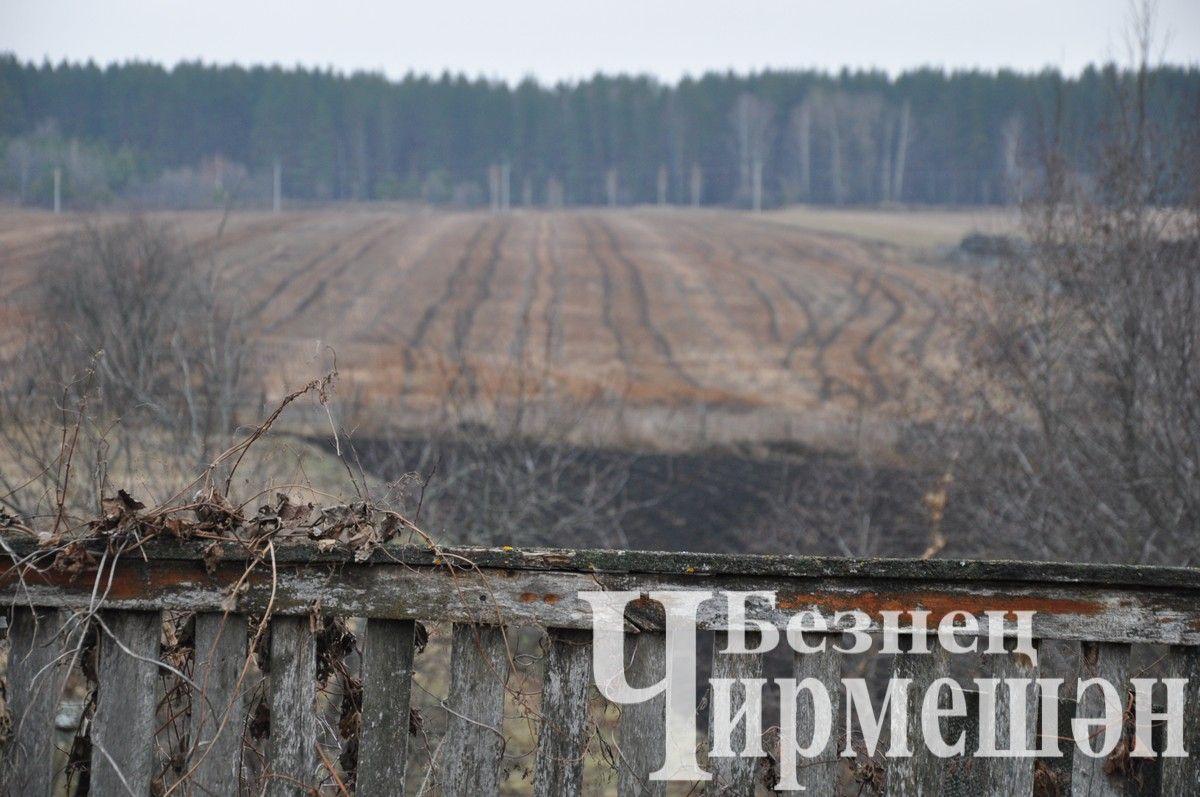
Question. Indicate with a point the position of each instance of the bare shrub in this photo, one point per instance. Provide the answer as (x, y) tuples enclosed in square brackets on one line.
[(1083, 439), (133, 333), (473, 486)]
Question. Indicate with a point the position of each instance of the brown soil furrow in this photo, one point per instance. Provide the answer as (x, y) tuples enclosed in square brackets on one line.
[(721, 283), (329, 277), (637, 287), (608, 302), (869, 364), (530, 281), (452, 287), (553, 311), (480, 289), (294, 276)]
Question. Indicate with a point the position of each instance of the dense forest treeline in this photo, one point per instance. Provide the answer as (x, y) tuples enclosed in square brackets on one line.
[(195, 134)]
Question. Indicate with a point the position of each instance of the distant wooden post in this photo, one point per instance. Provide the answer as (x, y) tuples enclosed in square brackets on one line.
[(57, 190), (697, 184), (610, 187), (554, 192), (757, 175), (277, 189), (662, 185), (494, 187)]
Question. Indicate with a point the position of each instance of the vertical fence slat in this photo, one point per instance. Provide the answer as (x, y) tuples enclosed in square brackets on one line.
[(921, 773), (218, 710), (818, 775), (123, 752), (33, 691), (732, 777), (293, 758), (1110, 662), (1056, 771), (1182, 775), (641, 732), (474, 738), (387, 689), (1012, 775), (563, 738), (965, 775)]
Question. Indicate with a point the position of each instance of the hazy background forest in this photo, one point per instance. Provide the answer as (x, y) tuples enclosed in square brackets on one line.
[(146, 135)]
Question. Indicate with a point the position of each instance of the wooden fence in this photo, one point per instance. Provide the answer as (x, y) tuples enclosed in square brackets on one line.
[(1103, 609)]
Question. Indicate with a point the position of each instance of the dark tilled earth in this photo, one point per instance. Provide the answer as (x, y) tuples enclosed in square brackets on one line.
[(717, 501)]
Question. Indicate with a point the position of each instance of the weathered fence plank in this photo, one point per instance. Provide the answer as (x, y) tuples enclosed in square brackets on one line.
[(921, 773), (1072, 604), (1053, 773), (1110, 662), (126, 697), (218, 708), (292, 762), (818, 774), (563, 739), (1182, 775), (33, 686), (964, 776), (1005, 776), (641, 731), (733, 776), (474, 737), (387, 690)]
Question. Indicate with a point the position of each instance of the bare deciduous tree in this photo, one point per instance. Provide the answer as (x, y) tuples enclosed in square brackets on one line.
[(752, 123)]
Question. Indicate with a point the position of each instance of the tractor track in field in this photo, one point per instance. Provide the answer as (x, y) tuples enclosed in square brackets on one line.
[(457, 274), (464, 320), (862, 354), (529, 281), (747, 269), (322, 285), (880, 253), (867, 364), (638, 286), (798, 300), (553, 312), (223, 239), (709, 259), (823, 342), (861, 310), (451, 287), (312, 263), (606, 305)]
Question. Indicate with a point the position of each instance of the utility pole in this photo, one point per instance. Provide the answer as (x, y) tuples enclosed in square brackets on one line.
[(277, 190), (57, 190), (662, 185), (697, 184), (610, 186), (494, 188), (757, 177)]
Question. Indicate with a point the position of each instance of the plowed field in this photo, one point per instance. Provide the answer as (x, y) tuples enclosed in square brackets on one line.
[(689, 325)]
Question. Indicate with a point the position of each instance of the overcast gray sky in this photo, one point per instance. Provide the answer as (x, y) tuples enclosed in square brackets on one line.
[(564, 39)]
